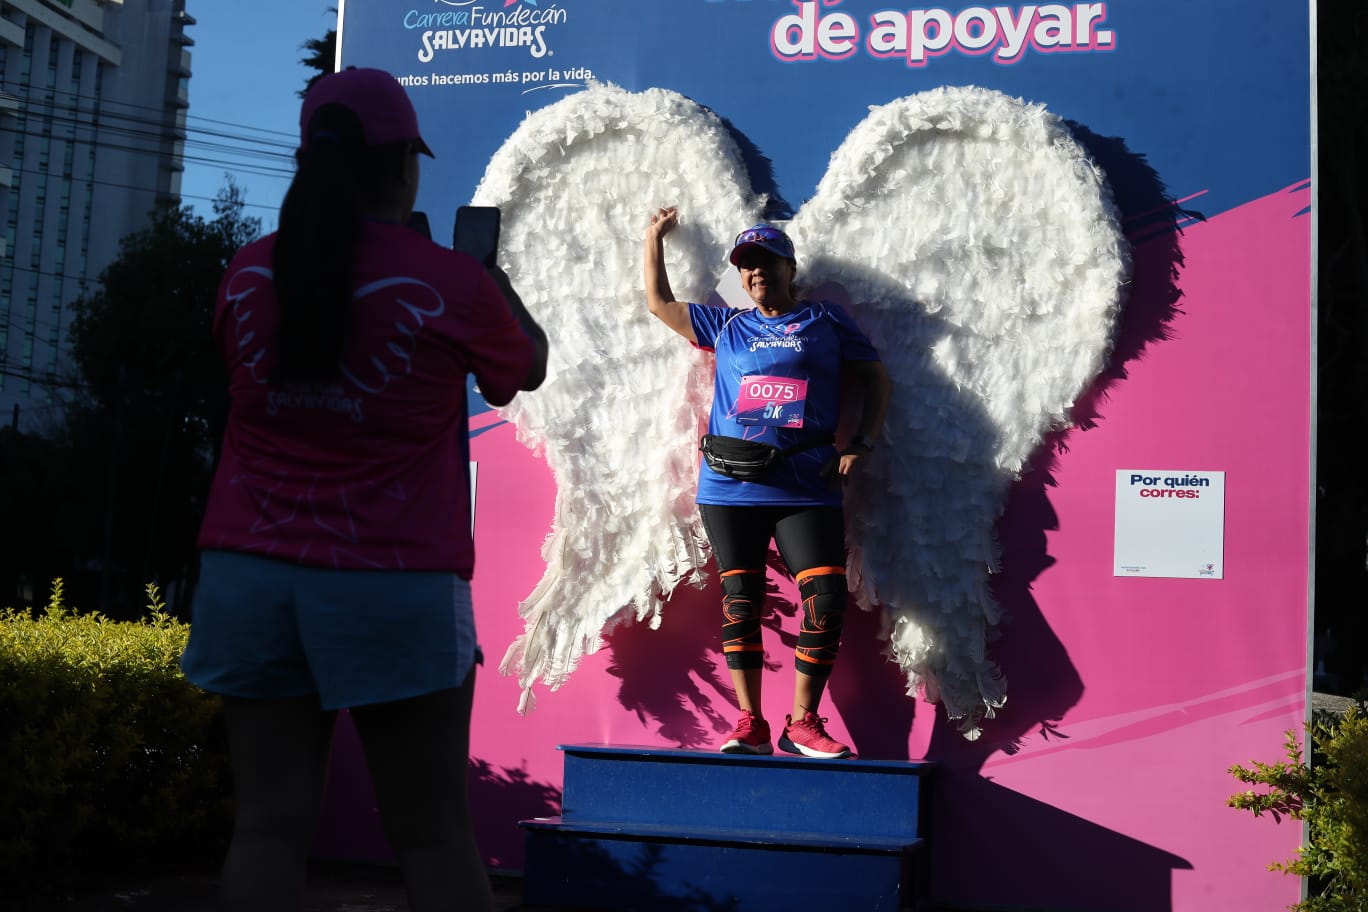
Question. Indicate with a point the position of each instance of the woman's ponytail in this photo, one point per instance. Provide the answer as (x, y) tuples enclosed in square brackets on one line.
[(315, 248)]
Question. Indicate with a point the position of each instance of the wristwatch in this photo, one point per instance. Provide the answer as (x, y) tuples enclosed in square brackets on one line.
[(860, 440)]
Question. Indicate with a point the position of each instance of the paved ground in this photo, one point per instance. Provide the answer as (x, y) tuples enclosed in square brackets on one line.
[(332, 888), (1331, 702)]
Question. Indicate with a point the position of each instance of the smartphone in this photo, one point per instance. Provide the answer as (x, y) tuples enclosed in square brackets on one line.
[(477, 232)]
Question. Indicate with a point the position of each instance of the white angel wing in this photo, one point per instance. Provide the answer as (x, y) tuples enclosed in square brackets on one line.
[(983, 255), (618, 416)]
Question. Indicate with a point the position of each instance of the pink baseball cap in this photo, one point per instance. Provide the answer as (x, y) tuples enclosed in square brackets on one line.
[(375, 97)]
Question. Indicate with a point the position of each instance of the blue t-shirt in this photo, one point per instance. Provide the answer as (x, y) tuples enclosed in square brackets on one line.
[(778, 381)]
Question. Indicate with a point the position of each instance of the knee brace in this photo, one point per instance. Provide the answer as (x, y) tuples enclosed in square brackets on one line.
[(823, 591), (743, 604)]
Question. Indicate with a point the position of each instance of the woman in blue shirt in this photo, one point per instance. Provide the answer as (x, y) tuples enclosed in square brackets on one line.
[(779, 373)]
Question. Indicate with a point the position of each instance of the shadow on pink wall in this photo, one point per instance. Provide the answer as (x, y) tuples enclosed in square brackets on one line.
[(991, 845)]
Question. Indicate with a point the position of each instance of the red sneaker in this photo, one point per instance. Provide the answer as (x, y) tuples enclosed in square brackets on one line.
[(809, 738), (752, 736)]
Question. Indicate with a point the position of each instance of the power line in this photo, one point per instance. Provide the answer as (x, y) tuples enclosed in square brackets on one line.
[(252, 155), (260, 155), (35, 130), (49, 380), (54, 275), (272, 173), (103, 104), (118, 186), (111, 121), (254, 168)]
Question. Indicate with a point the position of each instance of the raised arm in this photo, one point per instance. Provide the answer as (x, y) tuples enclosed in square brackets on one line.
[(659, 298)]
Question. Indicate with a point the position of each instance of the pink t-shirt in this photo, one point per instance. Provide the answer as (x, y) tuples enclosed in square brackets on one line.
[(370, 471)]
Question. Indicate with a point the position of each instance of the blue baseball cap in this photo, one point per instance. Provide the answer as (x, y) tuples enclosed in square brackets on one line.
[(765, 237)]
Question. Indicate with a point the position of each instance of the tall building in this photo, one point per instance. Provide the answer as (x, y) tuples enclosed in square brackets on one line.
[(93, 98)]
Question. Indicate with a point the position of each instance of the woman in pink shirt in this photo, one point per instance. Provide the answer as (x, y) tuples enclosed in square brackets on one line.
[(336, 546)]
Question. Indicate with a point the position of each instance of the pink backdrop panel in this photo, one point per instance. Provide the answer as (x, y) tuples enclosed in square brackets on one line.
[(1165, 683), (1103, 782)]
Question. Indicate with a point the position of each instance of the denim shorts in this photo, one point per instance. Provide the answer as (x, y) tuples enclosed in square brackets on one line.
[(265, 629)]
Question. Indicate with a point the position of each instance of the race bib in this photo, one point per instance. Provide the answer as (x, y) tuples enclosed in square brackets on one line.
[(773, 401)]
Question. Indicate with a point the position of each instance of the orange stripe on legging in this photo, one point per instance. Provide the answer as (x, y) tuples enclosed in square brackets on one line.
[(739, 572), (817, 571)]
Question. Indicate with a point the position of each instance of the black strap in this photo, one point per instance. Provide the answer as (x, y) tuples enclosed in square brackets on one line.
[(823, 440)]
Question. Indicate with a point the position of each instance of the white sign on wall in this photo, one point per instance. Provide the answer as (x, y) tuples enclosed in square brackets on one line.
[(1170, 524)]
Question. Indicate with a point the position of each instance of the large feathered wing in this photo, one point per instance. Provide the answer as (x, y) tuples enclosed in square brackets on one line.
[(981, 251), (618, 416)]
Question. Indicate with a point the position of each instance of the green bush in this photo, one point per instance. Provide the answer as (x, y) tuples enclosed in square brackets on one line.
[(1331, 795), (111, 761)]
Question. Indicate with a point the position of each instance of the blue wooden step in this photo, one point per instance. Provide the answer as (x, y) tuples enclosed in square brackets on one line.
[(646, 828), (669, 869), (763, 837), (690, 788)]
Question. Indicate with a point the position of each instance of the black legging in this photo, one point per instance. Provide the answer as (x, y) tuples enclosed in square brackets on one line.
[(811, 540)]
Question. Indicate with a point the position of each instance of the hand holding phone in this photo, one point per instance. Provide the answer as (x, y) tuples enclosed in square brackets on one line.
[(477, 233)]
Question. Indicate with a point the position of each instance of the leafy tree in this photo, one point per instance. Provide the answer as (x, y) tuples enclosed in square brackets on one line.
[(1329, 791), (322, 56), (45, 500), (152, 400)]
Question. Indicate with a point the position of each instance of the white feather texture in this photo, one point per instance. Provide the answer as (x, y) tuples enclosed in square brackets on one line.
[(981, 253), (618, 417)]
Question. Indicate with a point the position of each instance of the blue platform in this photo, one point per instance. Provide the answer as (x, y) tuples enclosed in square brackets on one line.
[(696, 831)]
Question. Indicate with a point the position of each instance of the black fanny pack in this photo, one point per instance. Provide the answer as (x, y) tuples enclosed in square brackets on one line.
[(749, 460)]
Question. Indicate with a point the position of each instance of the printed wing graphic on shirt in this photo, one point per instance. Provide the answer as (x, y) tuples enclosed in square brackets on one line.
[(973, 240)]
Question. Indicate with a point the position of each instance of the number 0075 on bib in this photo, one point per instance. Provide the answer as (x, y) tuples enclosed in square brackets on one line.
[(775, 401)]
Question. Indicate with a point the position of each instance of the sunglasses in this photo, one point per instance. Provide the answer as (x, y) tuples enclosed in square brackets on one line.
[(754, 259), (771, 238)]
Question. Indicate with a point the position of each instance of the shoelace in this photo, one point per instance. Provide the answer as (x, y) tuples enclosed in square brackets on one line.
[(816, 724)]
